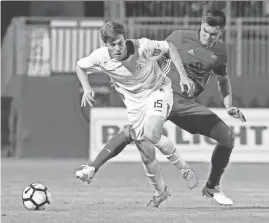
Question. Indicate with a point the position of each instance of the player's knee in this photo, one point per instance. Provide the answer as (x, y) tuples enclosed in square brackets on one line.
[(147, 160), (127, 134), (223, 135), (153, 129), (147, 157), (228, 140), (153, 136)]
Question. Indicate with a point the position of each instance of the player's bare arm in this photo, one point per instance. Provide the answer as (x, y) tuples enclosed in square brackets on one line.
[(185, 82), (225, 89), (85, 67), (88, 95)]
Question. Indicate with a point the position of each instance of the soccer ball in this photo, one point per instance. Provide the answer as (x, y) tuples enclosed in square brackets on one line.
[(36, 197)]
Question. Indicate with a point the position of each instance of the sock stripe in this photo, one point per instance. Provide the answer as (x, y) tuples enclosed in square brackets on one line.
[(108, 150), (169, 156), (150, 175), (175, 161)]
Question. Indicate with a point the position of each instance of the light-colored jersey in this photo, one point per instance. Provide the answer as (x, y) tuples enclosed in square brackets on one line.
[(136, 77)]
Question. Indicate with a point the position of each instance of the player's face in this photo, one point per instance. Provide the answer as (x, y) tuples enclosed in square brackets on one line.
[(209, 34), (117, 49)]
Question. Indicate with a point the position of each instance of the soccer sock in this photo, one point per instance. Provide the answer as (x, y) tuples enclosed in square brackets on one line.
[(219, 160), (153, 173), (168, 149), (114, 146)]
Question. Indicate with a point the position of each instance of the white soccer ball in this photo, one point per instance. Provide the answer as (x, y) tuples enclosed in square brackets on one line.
[(36, 197)]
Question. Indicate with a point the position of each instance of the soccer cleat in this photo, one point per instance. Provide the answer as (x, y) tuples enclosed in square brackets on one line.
[(190, 177), (218, 195), (157, 200), (86, 173)]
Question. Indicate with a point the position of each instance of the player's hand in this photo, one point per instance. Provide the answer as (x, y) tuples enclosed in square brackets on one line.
[(188, 85), (236, 113), (88, 97)]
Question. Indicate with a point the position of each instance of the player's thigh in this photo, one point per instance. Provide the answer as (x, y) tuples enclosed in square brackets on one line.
[(136, 112), (222, 133), (198, 119), (153, 128), (192, 116), (158, 108), (146, 149), (208, 125)]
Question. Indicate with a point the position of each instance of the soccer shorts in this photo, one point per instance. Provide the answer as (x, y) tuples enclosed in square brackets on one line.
[(158, 103), (192, 116)]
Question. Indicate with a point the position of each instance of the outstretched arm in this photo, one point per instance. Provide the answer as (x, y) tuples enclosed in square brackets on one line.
[(176, 59), (88, 92), (184, 80), (225, 89), (153, 50), (83, 78), (85, 66)]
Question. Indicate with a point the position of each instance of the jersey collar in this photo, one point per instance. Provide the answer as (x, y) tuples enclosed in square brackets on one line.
[(130, 49)]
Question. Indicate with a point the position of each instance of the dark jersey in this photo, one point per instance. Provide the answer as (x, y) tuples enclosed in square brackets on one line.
[(199, 62)]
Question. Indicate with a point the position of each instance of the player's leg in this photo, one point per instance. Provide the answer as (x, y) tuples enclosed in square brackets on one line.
[(222, 152), (219, 159), (114, 146), (154, 134), (197, 119), (158, 110), (153, 172)]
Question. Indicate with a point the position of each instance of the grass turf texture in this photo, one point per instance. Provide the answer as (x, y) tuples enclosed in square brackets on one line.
[(120, 191)]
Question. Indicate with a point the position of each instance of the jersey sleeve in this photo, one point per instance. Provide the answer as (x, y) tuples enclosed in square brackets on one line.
[(91, 63), (152, 49), (175, 38), (220, 70)]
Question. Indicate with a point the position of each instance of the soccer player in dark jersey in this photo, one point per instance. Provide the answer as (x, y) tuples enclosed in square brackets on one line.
[(202, 55)]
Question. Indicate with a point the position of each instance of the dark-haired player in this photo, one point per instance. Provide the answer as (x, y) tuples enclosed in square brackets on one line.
[(202, 55)]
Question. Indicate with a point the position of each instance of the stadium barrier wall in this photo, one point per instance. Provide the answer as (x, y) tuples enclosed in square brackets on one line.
[(50, 122), (247, 92), (251, 138)]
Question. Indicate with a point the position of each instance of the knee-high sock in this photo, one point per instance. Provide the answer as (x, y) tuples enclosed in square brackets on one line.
[(168, 149), (219, 160), (114, 146), (153, 173)]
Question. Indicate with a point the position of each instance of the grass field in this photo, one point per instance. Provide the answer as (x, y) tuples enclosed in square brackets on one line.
[(120, 191)]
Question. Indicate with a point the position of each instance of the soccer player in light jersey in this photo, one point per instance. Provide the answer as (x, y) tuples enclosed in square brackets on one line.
[(146, 92), (202, 55)]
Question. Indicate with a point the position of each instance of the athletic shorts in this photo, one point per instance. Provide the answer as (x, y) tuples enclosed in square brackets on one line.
[(192, 116), (159, 103)]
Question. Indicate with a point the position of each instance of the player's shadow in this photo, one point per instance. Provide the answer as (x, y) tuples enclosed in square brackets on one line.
[(57, 210), (249, 208), (229, 208)]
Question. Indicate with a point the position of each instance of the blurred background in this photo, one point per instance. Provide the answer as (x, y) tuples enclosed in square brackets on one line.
[(42, 40)]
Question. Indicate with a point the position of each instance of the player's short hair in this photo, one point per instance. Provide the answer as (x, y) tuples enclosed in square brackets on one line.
[(214, 17), (111, 30)]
